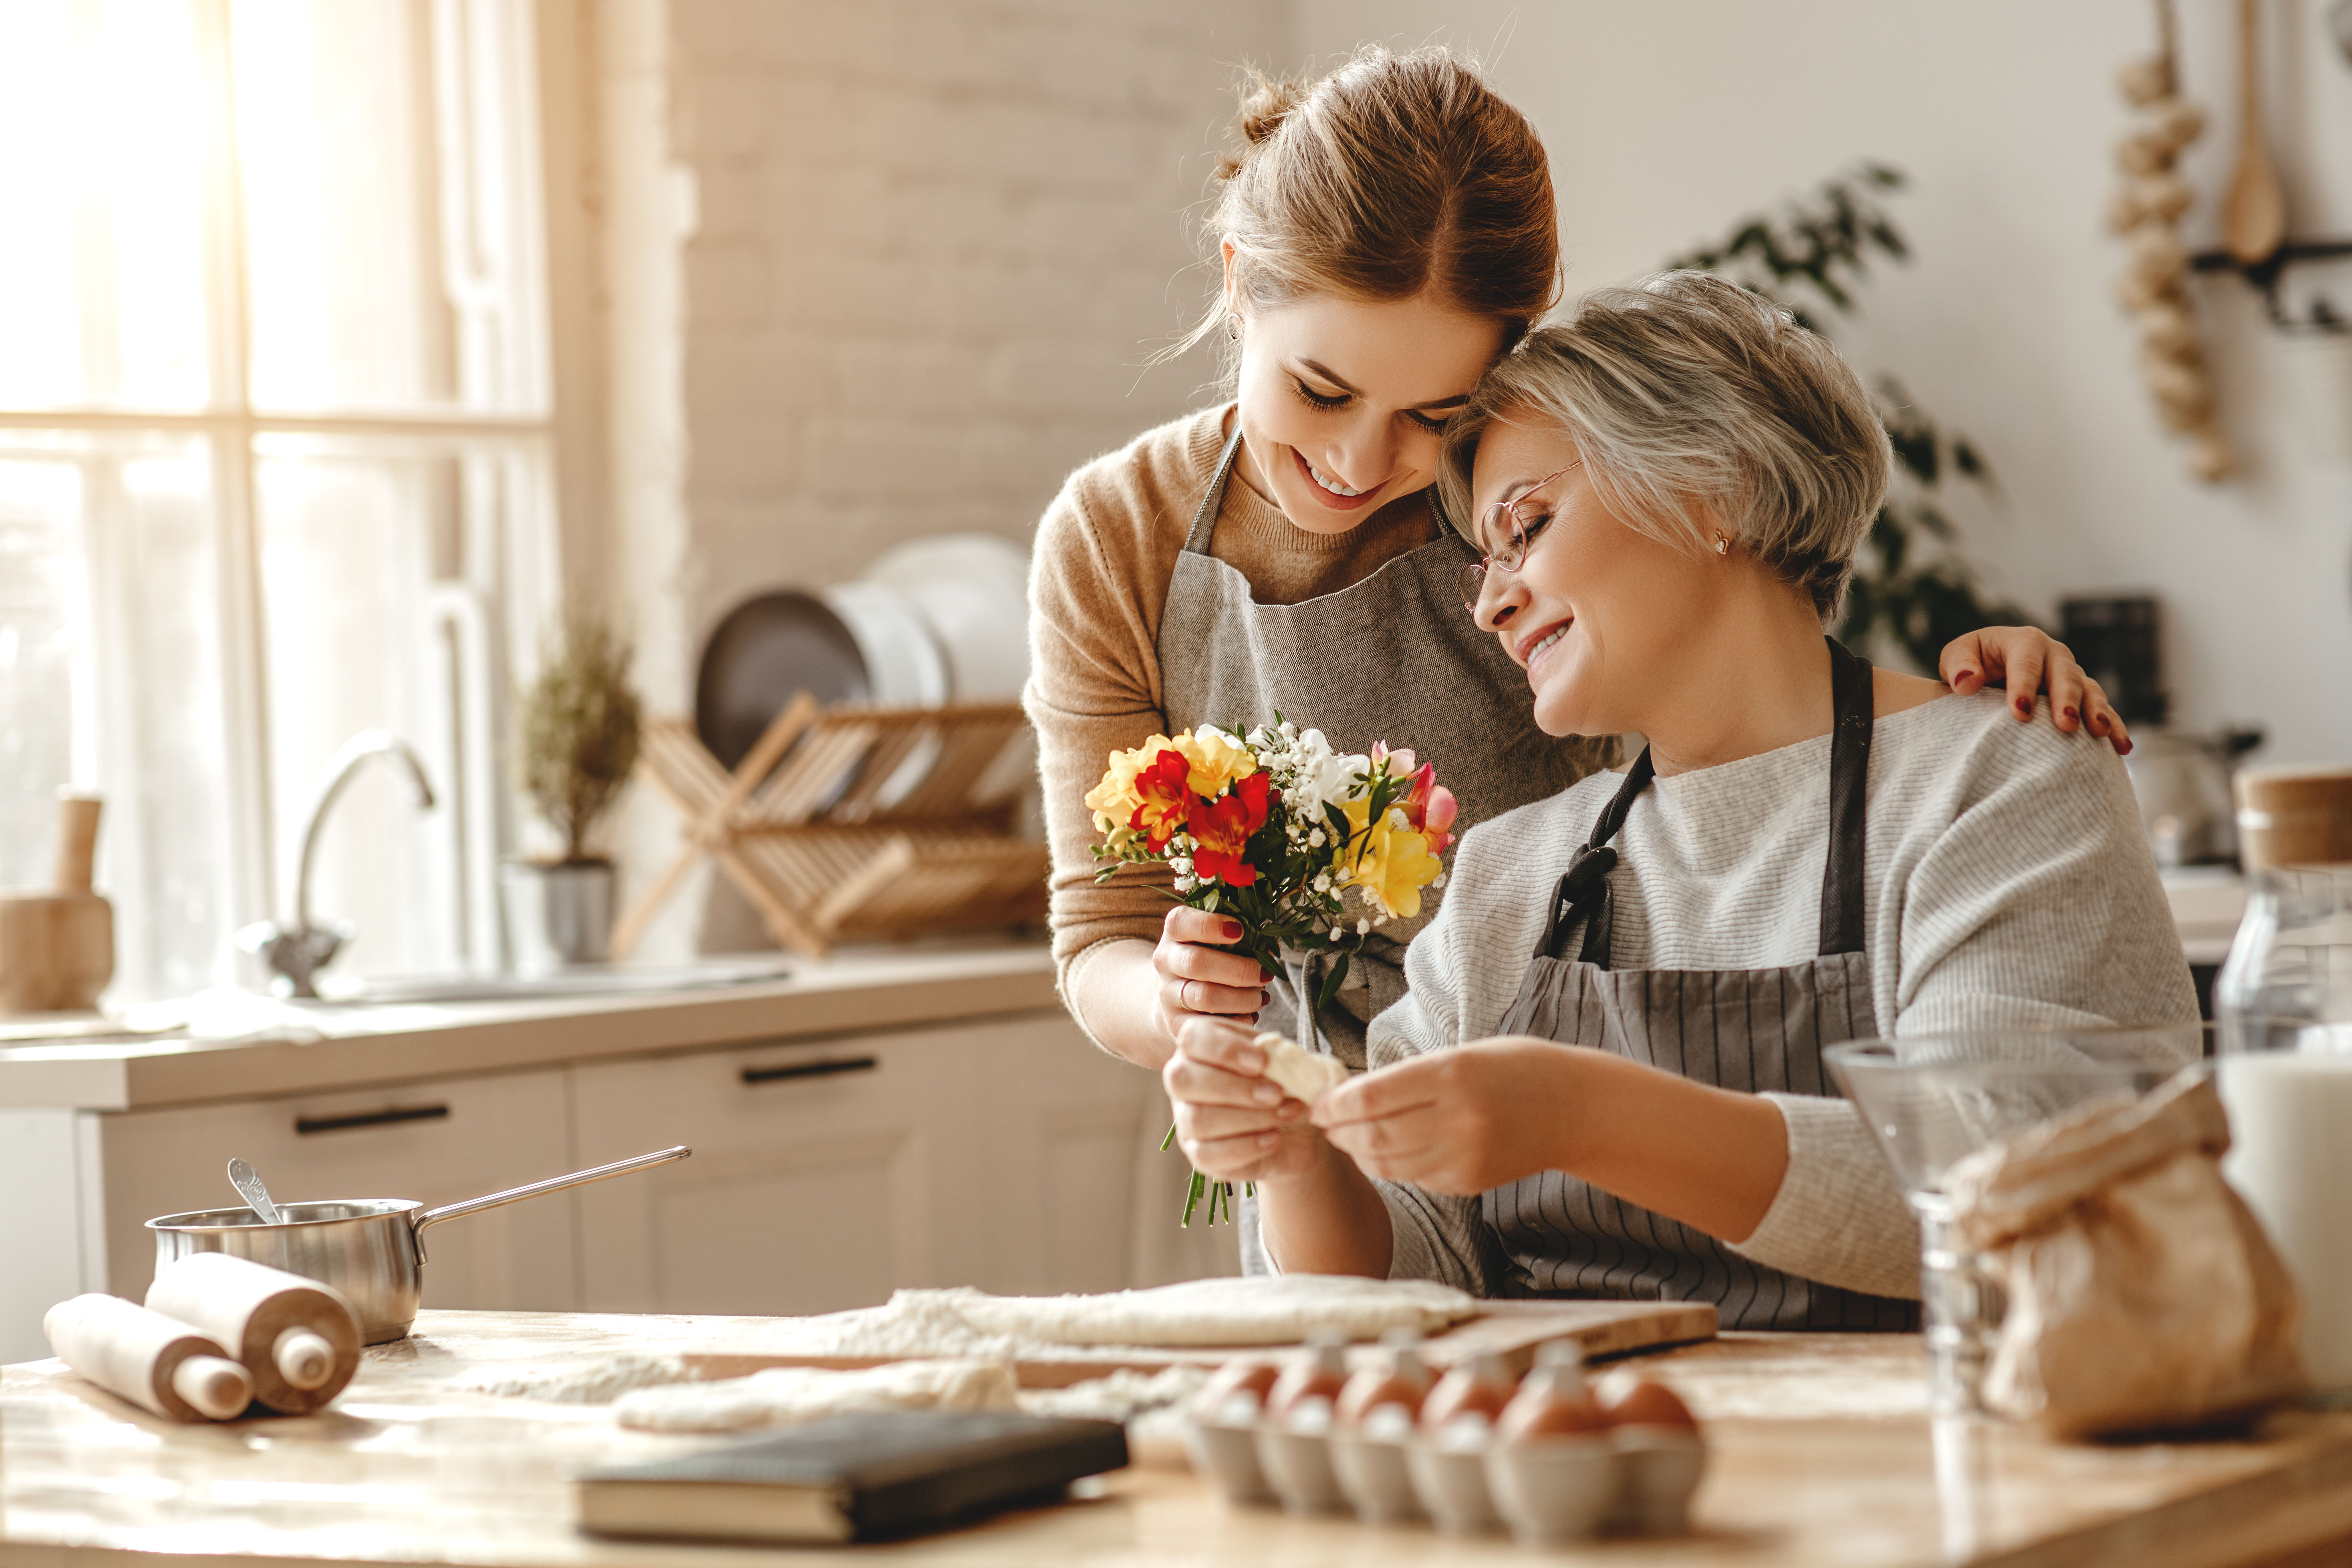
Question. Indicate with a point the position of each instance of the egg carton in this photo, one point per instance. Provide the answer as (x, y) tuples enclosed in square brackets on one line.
[(1631, 1480)]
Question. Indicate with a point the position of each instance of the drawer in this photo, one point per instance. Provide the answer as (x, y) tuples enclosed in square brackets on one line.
[(434, 1141)]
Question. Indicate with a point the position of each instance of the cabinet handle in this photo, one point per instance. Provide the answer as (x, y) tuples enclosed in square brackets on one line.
[(811, 1069), (306, 1125)]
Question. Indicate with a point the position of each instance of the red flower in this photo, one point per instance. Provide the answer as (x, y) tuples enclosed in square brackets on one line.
[(1166, 800), (1430, 807), (1222, 829)]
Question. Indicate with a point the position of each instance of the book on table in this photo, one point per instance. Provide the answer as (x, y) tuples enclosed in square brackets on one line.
[(852, 1477)]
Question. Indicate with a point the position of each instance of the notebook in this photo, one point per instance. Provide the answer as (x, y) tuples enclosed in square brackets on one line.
[(852, 1477)]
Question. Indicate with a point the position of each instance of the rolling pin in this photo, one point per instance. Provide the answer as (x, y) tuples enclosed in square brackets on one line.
[(298, 1338), (57, 948), (149, 1359)]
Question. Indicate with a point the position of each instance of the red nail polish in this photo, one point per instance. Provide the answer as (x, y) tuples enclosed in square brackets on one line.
[(1233, 930), (2069, 715)]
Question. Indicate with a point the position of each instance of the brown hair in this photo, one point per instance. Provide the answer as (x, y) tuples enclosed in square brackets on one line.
[(1697, 406), (1392, 175)]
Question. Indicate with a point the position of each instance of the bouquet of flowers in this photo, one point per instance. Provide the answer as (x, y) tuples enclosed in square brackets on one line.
[(1274, 828)]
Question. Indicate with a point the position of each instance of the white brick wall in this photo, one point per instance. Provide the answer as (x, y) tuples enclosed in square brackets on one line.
[(935, 242), (877, 269)]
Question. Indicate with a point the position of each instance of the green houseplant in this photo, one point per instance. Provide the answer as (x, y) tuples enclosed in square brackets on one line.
[(577, 735), (1911, 585)]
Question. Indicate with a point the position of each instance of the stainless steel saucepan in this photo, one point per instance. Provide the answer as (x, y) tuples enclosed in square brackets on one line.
[(372, 1249)]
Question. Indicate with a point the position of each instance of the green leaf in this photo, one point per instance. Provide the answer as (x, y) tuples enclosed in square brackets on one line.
[(1330, 986)]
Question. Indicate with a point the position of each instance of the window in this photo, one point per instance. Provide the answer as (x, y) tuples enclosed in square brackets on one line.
[(275, 458)]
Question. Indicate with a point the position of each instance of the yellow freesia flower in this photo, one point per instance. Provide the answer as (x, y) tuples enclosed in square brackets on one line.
[(1115, 796), (1395, 865), (1217, 759)]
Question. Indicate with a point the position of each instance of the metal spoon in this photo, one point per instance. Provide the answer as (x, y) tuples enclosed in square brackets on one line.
[(247, 1181)]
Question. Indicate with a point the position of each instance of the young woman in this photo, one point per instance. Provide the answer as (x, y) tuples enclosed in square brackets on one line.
[(1671, 488), (1385, 235)]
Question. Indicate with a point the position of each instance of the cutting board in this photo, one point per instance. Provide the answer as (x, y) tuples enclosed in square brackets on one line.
[(1513, 1330)]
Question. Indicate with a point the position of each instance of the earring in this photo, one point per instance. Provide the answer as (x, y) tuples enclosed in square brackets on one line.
[(1722, 545), (1233, 325)]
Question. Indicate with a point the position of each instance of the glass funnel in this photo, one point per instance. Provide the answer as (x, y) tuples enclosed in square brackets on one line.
[(1932, 1100)]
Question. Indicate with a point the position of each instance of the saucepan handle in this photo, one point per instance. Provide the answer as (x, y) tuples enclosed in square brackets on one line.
[(555, 1185)]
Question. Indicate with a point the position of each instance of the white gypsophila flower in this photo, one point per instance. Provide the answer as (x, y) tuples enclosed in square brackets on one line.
[(1315, 840), (1363, 926), (1180, 866), (1187, 884), (1438, 881), (1323, 882)]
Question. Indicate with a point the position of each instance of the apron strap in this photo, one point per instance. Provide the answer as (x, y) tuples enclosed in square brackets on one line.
[(1583, 893), (1204, 517), (1849, 778)]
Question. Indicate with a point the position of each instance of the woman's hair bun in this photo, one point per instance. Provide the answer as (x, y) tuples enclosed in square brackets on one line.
[(1266, 102)]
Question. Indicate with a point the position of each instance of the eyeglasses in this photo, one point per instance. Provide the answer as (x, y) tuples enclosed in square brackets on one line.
[(1506, 522)]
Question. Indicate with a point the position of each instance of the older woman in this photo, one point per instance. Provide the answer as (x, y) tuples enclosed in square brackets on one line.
[(1671, 488)]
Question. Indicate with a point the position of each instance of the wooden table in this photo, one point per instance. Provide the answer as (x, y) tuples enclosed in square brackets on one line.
[(1823, 1455)]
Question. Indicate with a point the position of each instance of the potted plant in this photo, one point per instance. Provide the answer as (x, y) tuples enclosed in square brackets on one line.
[(578, 733)]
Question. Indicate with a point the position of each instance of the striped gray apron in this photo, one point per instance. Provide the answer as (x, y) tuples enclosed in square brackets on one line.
[(1395, 657), (1752, 1029)]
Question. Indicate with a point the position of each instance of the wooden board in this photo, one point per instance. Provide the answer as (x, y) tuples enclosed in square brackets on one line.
[(1513, 1330)]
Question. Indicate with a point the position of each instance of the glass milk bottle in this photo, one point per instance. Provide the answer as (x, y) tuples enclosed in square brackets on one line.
[(2283, 1005)]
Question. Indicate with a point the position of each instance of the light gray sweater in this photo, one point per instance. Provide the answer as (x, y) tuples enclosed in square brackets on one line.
[(2007, 882)]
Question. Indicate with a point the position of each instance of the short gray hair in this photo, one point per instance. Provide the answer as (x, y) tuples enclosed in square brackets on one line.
[(1697, 407)]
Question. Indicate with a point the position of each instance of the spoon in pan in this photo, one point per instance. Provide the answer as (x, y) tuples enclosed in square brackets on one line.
[(248, 1182)]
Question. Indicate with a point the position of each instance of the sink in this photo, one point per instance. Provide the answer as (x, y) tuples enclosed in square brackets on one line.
[(583, 979)]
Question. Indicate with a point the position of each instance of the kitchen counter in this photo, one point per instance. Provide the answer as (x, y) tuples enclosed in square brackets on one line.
[(1823, 1455), (330, 1046)]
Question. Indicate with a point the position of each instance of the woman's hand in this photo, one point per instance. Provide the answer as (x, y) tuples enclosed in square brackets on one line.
[(1458, 1121), (1196, 981), (2026, 659), (1233, 1121)]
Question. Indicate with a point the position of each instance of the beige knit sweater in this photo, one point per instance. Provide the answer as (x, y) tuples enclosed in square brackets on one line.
[(1105, 553)]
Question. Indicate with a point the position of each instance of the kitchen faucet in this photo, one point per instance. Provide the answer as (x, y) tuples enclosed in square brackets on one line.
[(295, 952)]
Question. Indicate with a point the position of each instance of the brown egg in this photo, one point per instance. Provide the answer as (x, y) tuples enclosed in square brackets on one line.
[(1631, 1401), (1399, 1377), (1243, 1375), (1553, 1401), (1317, 1373), (1483, 1385)]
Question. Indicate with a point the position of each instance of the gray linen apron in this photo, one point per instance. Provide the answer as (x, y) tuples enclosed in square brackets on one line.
[(1395, 657), (1753, 1030)]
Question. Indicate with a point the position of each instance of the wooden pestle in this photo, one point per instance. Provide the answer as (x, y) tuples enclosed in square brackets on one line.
[(57, 945), (298, 1338), (155, 1362)]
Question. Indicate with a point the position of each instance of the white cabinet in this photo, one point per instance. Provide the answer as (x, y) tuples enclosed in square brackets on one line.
[(828, 1173), (434, 1141)]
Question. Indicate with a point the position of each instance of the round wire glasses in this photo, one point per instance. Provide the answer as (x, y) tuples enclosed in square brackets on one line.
[(1506, 522)]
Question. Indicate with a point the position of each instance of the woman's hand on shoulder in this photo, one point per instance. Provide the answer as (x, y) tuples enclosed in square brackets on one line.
[(1199, 981), (1234, 1121), (2027, 661), (1456, 1122)]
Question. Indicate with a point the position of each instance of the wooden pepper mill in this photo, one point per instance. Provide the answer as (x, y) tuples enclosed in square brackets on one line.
[(155, 1362), (57, 948), (298, 1338)]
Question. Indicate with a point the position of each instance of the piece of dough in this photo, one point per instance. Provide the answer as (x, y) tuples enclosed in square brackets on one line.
[(1302, 1074), (793, 1395), (1263, 1310)]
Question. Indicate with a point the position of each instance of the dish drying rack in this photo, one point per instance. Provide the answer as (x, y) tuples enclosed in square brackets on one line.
[(851, 822)]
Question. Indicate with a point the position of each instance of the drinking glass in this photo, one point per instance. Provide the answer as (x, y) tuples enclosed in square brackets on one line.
[(1932, 1100)]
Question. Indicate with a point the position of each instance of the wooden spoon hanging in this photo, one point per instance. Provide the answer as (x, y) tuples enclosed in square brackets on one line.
[(2253, 210)]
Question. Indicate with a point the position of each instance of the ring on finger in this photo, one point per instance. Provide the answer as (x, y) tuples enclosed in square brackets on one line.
[(1184, 997)]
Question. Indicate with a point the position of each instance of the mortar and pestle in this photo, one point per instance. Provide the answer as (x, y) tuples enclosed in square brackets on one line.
[(56, 947)]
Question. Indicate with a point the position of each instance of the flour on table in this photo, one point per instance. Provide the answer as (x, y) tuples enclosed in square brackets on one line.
[(792, 1395), (1302, 1074), (1263, 1310), (1122, 1395), (595, 1383)]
